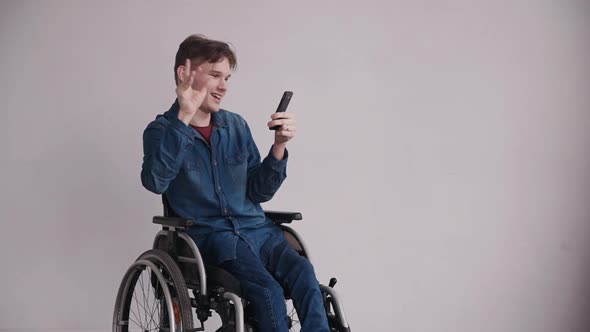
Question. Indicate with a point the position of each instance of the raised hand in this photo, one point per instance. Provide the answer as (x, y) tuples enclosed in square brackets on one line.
[(189, 98)]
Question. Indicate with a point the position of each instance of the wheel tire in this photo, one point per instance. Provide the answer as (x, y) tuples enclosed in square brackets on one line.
[(140, 275)]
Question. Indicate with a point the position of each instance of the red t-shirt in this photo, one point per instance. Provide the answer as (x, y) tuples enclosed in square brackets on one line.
[(205, 131)]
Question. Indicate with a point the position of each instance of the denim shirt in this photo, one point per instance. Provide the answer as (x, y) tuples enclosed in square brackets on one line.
[(219, 186)]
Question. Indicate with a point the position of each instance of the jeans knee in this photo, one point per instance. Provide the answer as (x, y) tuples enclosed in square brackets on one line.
[(305, 270)]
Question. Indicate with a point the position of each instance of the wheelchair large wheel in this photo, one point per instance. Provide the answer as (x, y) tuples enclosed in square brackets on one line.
[(153, 296)]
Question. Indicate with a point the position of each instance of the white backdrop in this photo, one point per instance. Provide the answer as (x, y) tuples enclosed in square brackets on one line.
[(442, 163)]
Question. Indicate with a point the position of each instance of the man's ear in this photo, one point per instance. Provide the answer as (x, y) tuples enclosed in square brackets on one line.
[(179, 73)]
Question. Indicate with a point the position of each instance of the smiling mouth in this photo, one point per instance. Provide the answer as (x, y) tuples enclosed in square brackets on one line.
[(217, 97)]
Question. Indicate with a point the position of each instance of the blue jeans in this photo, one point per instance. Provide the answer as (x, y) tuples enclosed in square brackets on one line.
[(261, 280)]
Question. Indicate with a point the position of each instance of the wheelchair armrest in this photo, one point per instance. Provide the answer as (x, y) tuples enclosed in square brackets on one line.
[(282, 217), (173, 222)]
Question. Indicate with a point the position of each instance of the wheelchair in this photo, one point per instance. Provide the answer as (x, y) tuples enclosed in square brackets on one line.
[(169, 287)]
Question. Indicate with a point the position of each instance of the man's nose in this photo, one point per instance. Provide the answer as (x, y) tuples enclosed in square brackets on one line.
[(222, 85)]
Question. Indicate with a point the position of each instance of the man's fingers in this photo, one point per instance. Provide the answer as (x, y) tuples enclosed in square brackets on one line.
[(187, 67), (284, 133), (286, 123), (288, 128), (187, 81), (282, 115), (191, 79), (281, 122), (188, 74)]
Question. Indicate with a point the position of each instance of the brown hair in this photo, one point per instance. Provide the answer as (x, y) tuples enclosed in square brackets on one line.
[(200, 48)]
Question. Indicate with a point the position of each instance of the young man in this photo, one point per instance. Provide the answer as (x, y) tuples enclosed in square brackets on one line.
[(206, 162)]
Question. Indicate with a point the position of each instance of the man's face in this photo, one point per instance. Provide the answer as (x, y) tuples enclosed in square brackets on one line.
[(213, 77)]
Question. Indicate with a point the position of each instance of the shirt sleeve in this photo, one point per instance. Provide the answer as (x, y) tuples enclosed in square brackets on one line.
[(264, 178), (164, 147)]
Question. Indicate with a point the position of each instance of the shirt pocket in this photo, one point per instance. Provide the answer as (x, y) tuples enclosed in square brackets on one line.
[(235, 158), (237, 166)]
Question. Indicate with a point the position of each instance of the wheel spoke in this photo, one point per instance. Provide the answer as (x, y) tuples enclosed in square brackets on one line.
[(143, 293), (293, 318), (139, 305), (149, 309), (137, 319), (156, 306), (138, 314), (145, 307), (152, 312), (149, 312), (136, 323), (148, 296)]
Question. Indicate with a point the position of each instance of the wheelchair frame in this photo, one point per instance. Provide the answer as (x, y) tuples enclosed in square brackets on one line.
[(172, 237)]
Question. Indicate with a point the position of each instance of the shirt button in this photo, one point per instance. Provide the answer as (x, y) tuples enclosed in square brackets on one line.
[(225, 211), (219, 188), (237, 232), (214, 162)]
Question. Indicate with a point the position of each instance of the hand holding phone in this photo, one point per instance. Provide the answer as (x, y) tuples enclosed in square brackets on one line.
[(283, 105)]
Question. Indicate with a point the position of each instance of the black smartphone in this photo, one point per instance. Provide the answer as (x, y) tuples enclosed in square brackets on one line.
[(283, 105)]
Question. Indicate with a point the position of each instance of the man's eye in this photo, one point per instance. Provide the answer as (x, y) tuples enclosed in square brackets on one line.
[(214, 75)]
